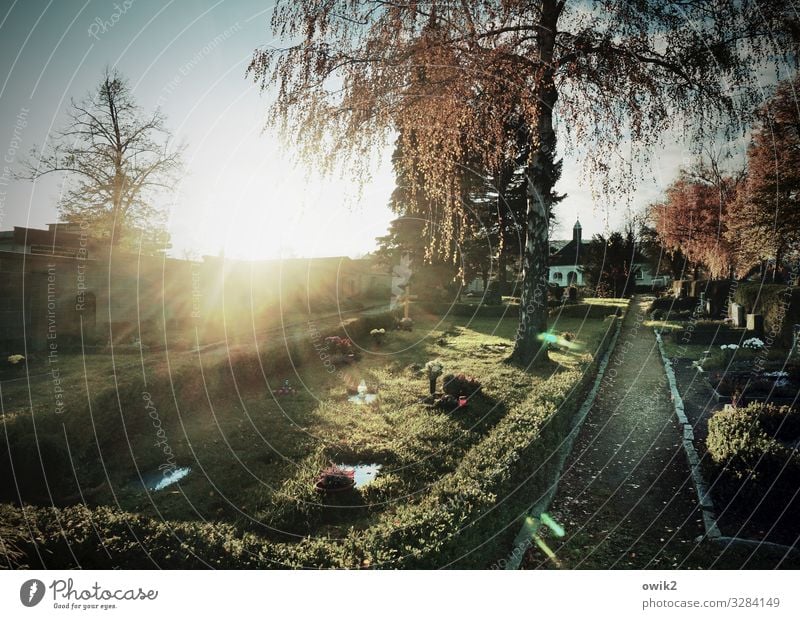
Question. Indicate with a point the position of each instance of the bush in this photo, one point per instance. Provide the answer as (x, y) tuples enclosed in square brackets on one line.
[(744, 443), (780, 422)]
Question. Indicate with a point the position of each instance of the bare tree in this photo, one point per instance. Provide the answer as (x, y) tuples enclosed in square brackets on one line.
[(448, 75), (116, 157)]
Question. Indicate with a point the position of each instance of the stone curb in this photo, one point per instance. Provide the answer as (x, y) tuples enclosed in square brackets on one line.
[(700, 485)]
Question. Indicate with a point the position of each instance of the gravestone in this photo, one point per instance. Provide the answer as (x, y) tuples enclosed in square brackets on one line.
[(755, 323), (703, 303), (737, 315)]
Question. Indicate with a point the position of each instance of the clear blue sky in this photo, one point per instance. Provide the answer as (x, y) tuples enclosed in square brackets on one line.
[(241, 193)]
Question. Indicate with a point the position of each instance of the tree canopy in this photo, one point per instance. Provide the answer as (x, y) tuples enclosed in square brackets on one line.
[(765, 219), (448, 76), (693, 219)]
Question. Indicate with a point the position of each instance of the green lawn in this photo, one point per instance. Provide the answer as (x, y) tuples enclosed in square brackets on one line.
[(254, 456)]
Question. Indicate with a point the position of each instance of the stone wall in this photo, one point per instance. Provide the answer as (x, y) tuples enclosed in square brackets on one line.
[(73, 302)]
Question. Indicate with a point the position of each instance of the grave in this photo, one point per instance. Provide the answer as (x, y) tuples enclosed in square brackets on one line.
[(737, 315), (755, 324)]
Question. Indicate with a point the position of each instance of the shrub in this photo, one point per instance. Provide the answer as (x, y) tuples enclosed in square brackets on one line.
[(460, 384), (780, 422), (670, 306), (740, 443)]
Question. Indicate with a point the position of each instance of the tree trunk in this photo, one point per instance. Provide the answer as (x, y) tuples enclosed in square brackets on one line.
[(778, 259), (541, 174), (502, 208)]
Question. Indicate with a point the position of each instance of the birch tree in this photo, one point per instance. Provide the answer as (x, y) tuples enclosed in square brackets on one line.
[(447, 76)]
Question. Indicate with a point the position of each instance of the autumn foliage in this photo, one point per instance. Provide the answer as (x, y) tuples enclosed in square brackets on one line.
[(693, 219)]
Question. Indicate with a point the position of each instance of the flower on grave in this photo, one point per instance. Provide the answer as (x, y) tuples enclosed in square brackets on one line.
[(753, 343), (15, 359), (376, 332), (729, 346), (339, 345)]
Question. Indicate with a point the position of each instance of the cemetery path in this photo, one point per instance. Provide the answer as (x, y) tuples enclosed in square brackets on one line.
[(626, 498)]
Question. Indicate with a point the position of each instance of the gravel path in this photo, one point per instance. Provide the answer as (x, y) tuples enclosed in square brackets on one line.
[(626, 499)]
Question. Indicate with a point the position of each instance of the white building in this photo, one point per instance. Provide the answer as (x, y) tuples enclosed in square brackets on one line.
[(566, 264)]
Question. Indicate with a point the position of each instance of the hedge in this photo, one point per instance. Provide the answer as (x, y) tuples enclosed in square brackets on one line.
[(583, 310), (747, 443), (467, 519)]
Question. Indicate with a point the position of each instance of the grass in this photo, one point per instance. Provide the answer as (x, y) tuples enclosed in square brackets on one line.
[(254, 455)]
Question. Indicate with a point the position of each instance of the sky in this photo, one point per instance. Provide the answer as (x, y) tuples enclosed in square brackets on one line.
[(242, 193)]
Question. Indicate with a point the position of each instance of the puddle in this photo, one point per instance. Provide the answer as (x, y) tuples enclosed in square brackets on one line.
[(365, 473), (158, 480)]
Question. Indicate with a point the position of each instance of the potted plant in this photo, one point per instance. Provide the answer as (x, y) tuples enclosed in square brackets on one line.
[(341, 349), (433, 369), (335, 479)]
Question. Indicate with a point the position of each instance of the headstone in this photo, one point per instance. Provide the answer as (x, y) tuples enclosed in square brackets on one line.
[(755, 323), (737, 315)]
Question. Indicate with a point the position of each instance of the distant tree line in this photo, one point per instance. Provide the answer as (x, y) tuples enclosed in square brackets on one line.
[(730, 223)]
